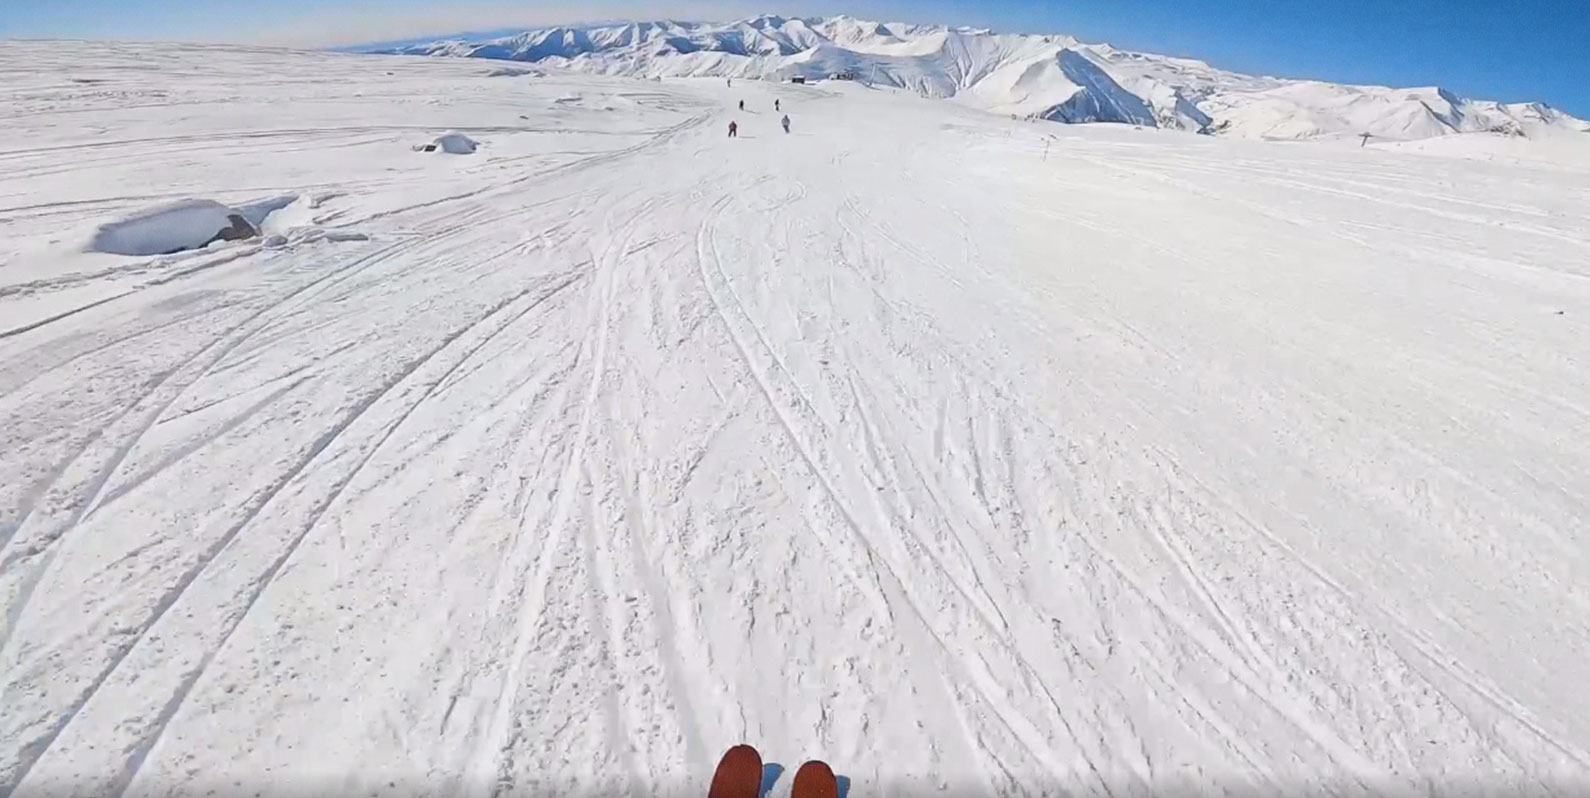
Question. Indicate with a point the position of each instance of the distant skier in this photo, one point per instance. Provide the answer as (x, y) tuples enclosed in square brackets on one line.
[(742, 105), (785, 123), (775, 105), (731, 83), (734, 130)]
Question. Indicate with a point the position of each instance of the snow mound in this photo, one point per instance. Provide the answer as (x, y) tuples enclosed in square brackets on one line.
[(260, 213), (190, 224), (280, 214), (1554, 148), (456, 144)]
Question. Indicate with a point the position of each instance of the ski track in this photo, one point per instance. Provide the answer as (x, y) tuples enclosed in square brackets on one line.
[(1156, 464)]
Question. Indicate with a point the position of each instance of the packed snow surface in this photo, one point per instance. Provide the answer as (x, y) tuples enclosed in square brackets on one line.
[(1044, 77), (970, 455)]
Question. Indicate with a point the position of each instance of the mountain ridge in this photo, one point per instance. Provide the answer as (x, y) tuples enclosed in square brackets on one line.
[(1053, 77)]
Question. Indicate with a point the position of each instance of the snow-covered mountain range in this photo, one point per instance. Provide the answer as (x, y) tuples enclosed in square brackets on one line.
[(1046, 77)]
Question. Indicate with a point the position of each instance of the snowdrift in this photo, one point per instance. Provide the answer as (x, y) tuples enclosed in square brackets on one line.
[(1045, 77), (456, 144), (191, 224), (1558, 150)]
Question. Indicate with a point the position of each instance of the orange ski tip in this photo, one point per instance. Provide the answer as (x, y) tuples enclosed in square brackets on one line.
[(739, 774), (815, 779)]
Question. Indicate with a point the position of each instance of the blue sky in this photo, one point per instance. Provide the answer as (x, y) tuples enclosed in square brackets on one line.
[(1511, 50)]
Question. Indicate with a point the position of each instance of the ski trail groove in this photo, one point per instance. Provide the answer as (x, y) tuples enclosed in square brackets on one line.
[(1499, 701), (264, 581), (227, 341), (531, 607), (884, 571), (188, 577)]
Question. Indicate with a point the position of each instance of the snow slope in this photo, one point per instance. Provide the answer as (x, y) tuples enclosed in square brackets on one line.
[(1049, 77), (971, 455)]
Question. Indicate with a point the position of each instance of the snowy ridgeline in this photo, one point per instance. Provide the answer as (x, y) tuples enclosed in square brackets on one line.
[(1045, 77), (973, 456)]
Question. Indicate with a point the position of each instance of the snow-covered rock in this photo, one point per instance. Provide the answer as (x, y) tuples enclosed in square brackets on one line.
[(190, 224), (260, 213), (455, 144), (1048, 77), (513, 72)]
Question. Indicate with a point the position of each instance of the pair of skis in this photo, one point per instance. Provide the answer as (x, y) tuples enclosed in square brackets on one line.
[(739, 775)]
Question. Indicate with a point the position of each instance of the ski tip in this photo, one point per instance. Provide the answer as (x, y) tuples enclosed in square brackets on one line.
[(739, 774), (815, 779)]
